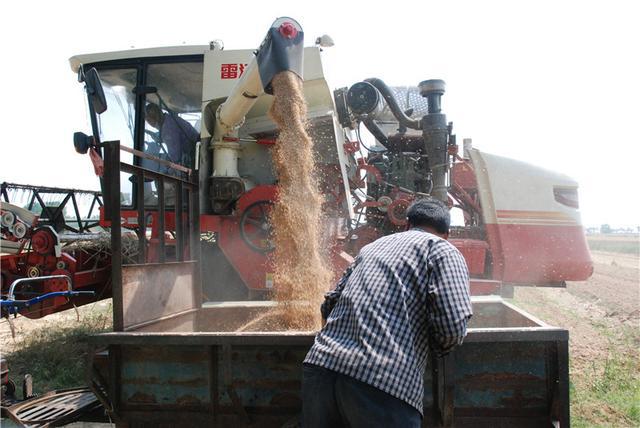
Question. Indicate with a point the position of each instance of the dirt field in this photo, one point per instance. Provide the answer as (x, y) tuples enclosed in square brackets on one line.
[(603, 318), (96, 315)]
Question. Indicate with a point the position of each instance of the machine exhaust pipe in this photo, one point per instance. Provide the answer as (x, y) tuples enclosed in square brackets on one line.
[(436, 136)]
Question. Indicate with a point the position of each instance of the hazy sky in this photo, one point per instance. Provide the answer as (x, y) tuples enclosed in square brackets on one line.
[(554, 83)]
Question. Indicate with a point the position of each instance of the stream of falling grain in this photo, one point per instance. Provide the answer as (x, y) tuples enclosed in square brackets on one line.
[(301, 276)]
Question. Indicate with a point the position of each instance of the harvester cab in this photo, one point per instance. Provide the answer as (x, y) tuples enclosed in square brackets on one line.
[(201, 112)]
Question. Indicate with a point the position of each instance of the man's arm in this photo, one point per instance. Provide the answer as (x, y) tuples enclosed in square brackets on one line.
[(190, 133), (331, 298), (449, 303)]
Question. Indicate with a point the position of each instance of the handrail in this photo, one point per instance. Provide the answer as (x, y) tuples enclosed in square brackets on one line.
[(156, 159), (40, 278)]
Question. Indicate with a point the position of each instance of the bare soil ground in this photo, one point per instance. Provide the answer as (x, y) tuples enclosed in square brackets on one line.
[(25, 328), (602, 315)]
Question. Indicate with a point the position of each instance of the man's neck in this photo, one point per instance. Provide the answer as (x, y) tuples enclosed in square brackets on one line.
[(432, 231)]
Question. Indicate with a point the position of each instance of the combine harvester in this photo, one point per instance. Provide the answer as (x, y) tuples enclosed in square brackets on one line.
[(521, 223), (204, 265)]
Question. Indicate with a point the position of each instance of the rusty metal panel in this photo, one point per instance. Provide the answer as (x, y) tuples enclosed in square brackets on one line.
[(510, 381), (165, 377), (155, 291), (258, 380), (222, 385), (261, 376)]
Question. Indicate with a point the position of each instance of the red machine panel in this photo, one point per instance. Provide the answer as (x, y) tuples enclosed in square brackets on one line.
[(474, 252)]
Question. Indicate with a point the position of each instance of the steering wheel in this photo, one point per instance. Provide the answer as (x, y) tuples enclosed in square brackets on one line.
[(255, 227)]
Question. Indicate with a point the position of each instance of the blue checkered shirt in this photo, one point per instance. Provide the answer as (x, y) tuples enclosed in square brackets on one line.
[(404, 294)]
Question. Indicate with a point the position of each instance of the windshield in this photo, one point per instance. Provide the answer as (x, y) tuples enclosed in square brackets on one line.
[(117, 122), (175, 98), (172, 114)]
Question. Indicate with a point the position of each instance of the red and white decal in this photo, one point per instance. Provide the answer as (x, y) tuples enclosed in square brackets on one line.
[(232, 71)]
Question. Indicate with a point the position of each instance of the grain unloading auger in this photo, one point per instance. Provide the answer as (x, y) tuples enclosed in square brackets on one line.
[(519, 224), (281, 50)]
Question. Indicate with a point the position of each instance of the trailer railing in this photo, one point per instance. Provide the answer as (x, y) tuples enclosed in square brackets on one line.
[(153, 288)]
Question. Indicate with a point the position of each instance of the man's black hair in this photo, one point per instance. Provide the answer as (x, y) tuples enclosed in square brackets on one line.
[(430, 213)]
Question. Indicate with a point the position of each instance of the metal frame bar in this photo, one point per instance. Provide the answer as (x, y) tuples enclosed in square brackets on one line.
[(240, 338), (93, 204), (142, 223), (4, 192), (194, 239), (77, 212), (33, 199), (443, 378), (178, 208), (561, 403), (112, 214), (132, 169), (14, 284), (161, 161), (161, 215), (48, 214)]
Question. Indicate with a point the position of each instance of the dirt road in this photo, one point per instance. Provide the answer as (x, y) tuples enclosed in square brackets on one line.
[(609, 300), (603, 319)]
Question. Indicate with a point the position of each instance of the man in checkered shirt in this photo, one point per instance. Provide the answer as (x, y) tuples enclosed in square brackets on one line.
[(405, 295)]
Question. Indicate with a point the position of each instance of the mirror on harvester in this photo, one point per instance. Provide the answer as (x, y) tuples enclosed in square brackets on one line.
[(95, 91)]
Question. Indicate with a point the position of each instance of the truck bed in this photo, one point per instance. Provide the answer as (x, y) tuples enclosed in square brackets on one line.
[(195, 369)]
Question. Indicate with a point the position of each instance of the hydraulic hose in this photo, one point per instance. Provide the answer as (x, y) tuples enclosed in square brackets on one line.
[(403, 119), (376, 132)]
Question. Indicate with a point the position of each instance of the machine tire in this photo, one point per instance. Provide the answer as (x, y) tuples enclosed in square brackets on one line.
[(256, 214)]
